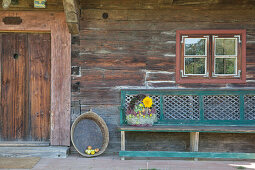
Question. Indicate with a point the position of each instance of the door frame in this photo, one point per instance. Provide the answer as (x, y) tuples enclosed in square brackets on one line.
[(53, 23)]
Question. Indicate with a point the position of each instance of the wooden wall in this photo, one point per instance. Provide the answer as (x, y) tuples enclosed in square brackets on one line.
[(135, 48)]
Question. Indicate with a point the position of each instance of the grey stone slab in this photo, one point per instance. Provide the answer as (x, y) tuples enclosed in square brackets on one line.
[(43, 152)]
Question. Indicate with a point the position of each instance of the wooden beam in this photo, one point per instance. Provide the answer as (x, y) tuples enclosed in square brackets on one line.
[(72, 15), (194, 140), (123, 148)]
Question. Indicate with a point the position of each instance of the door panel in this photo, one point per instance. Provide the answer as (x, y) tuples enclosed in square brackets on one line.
[(25, 86), (14, 88), (40, 85)]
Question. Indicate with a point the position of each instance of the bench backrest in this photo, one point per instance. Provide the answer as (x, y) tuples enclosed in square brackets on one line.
[(198, 107)]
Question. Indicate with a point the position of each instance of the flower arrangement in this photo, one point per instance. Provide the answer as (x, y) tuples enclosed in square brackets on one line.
[(141, 111)]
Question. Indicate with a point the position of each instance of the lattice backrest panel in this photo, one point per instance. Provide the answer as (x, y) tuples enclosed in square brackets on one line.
[(221, 107), (181, 107), (249, 107), (211, 107)]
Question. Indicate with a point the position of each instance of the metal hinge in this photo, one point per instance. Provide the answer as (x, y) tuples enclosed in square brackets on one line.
[(184, 36), (238, 73), (213, 75), (239, 38), (206, 75), (182, 73), (214, 36)]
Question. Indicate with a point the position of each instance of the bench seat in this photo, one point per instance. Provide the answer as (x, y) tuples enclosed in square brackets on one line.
[(186, 128)]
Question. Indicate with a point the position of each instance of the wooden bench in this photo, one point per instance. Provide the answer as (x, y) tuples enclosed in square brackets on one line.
[(242, 122)]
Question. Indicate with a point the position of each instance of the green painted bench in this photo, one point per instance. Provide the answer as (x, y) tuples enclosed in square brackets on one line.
[(194, 111)]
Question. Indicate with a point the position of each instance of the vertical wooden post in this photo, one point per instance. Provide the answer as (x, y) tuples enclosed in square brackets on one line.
[(122, 143), (194, 140)]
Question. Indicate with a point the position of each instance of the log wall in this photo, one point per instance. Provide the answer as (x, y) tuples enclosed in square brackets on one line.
[(134, 47)]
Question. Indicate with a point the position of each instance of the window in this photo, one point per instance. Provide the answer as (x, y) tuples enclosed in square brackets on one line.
[(211, 56)]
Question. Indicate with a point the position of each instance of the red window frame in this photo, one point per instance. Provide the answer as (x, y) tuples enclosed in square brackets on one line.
[(210, 79)]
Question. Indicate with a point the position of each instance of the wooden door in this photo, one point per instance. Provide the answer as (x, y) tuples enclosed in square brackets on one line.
[(25, 86)]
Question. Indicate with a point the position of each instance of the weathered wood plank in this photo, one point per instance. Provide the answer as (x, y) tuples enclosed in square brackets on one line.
[(194, 141), (97, 96), (213, 4), (126, 62), (167, 36), (172, 15), (129, 35), (21, 107), (1, 111), (14, 98), (160, 26), (160, 76), (72, 15), (60, 81), (43, 152), (108, 78), (125, 47), (23, 144), (163, 4), (110, 61), (250, 53), (122, 143), (7, 86), (40, 85)]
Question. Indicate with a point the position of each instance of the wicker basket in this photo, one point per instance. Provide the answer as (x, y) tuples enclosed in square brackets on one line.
[(100, 123)]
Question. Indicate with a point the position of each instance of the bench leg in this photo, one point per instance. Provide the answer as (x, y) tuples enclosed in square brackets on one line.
[(194, 140), (122, 143)]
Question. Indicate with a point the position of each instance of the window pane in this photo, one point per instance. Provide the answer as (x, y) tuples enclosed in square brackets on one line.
[(225, 66), (195, 46), (194, 65), (225, 46)]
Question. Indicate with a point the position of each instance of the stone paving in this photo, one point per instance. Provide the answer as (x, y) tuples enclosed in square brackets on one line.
[(75, 162)]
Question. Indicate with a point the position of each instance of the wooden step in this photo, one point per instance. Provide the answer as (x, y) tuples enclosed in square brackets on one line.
[(43, 152), (23, 144)]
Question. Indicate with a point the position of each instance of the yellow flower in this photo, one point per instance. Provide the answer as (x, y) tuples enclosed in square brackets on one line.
[(150, 115), (147, 101), (143, 116)]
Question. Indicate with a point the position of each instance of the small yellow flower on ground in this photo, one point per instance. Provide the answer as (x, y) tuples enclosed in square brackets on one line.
[(147, 101), (150, 115)]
